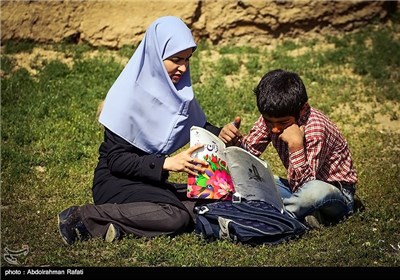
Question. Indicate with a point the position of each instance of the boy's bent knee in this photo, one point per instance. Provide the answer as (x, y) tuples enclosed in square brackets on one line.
[(316, 190)]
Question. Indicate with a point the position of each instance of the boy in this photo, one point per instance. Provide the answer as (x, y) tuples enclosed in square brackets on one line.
[(321, 180)]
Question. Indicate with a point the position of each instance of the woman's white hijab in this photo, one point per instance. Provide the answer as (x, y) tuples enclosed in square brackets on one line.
[(143, 106)]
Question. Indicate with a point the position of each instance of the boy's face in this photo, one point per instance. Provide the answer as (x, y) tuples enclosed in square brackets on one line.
[(278, 125)]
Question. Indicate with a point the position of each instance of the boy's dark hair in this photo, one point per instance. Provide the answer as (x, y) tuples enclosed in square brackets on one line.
[(281, 93)]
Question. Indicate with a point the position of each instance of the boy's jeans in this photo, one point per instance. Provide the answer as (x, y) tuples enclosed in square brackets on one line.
[(333, 203)]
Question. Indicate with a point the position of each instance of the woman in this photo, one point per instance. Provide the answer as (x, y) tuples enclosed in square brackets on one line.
[(147, 116)]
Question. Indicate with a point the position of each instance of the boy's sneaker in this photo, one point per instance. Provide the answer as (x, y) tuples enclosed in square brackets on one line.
[(114, 232), (70, 225), (358, 204), (314, 221)]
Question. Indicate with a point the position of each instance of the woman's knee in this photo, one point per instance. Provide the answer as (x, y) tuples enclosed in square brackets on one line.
[(177, 219)]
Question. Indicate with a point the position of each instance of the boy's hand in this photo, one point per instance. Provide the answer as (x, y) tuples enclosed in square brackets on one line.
[(237, 122), (230, 133), (294, 137)]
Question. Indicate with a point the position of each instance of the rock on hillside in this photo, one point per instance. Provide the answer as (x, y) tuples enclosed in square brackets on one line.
[(117, 23)]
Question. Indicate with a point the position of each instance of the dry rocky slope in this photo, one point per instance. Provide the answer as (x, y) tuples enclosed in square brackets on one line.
[(117, 23)]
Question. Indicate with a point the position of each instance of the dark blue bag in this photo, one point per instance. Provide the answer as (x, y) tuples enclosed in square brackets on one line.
[(247, 222)]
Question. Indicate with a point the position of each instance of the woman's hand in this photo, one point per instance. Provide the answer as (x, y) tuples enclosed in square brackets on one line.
[(184, 162)]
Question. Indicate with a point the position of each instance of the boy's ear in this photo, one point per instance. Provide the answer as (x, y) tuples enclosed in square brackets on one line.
[(304, 109)]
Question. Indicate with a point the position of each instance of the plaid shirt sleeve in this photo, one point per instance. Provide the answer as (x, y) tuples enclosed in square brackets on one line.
[(257, 140), (303, 166)]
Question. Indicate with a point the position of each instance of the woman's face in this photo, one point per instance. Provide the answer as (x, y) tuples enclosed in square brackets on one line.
[(177, 64)]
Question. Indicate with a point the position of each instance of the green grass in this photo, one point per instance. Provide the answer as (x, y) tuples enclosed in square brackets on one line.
[(50, 138)]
